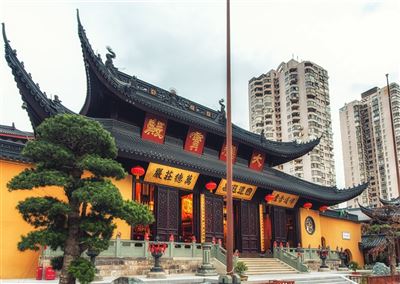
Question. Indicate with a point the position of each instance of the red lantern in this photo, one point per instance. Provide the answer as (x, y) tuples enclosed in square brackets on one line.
[(307, 205), (211, 185), (323, 208), (137, 171), (269, 198)]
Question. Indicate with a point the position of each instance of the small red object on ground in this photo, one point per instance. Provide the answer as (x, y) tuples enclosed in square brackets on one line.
[(49, 273), (39, 273)]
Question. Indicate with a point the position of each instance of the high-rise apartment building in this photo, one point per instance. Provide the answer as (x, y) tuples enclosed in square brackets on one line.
[(368, 145), (292, 103)]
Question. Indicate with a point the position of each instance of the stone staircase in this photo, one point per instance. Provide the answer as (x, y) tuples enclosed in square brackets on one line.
[(258, 266)]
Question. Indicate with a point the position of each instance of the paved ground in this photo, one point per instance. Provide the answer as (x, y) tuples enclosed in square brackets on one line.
[(186, 278)]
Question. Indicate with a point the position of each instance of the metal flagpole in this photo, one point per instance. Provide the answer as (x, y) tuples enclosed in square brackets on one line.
[(396, 159), (229, 202)]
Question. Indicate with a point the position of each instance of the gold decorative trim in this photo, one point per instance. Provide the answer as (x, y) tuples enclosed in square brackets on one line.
[(262, 244), (202, 218)]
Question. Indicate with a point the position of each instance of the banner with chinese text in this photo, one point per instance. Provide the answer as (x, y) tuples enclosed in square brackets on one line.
[(170, 176), (195, 141), (257, 161), (222, 155), (284, 199), (239, 190), (154, 128)]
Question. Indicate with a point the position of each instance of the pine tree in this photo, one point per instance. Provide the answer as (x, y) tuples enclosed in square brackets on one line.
[(66, 147), (385, 221)]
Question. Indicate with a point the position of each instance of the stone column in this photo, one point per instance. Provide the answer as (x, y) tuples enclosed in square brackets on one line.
[(206, 268)]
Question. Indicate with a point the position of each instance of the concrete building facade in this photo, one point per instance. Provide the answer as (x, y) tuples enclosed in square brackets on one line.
[(368, 145), (292, 103)]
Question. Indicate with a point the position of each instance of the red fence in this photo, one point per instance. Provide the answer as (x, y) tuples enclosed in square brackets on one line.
[(364, 279)]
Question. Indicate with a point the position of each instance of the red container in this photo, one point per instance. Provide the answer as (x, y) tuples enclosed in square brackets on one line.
[(39, 273), (49, 273)]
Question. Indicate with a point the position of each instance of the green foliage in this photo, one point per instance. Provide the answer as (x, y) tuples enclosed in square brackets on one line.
[(102, 167), (353, 265), (44, 211), (31, 178), (65, 147), (57, 262), (83, 270), (135, 214), (240, 267), (33, 240)]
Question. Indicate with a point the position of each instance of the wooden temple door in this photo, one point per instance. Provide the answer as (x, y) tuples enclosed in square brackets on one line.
[(214, 219), (167, 213), (249, 227), (279, 224)]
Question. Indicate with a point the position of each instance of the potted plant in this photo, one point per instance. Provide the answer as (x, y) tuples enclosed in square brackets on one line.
[(241, 268), (353, 265)]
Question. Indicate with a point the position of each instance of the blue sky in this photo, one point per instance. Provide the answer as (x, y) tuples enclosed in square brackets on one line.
[(181, 44)]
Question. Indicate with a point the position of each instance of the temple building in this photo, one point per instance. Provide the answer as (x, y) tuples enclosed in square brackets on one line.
[(181, 147)]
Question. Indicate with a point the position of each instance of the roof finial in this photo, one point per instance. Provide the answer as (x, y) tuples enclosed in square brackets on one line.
[(6, 41), (77, 17), (221, 112)]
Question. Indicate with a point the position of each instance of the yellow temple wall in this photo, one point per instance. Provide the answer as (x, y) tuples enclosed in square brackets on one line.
[(17, 264), (332, 230)]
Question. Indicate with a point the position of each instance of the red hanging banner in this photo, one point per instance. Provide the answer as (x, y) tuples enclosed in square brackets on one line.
[(222, 155), (195, 140), (154, 128), (257, 161)]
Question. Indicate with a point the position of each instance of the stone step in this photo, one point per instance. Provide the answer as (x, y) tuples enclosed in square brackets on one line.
[(258, 266), (270, 269), (270, 272)]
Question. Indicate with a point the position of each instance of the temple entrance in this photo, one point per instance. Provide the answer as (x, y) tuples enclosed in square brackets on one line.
[(284, 228), (214, 217), (144, 194), (247, 239), (187, 220), (167, 213)]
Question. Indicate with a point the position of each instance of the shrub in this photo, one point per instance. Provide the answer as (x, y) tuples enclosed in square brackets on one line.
[(82, 269), (240, 267), (353, 265)]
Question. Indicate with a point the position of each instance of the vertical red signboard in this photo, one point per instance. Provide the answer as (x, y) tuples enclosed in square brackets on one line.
[(154, 128)]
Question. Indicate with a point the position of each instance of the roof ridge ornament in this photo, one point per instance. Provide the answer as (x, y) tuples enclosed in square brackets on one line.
[(262, 137), (109, 61), (221, 113)]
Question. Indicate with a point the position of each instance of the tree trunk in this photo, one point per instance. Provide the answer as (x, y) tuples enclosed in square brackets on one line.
[(392, 255), (71, 249)]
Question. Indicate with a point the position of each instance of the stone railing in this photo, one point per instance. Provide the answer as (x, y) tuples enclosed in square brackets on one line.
[(140, 249), (291, 258), (312, 253), (219, 253)]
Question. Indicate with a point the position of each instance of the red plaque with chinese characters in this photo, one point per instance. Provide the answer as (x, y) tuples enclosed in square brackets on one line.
[(257, 161), (222, 154), (154, 128), (195, 141)]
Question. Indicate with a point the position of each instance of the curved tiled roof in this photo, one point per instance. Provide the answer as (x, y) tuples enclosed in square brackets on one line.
[(38, 105), (131, 146), (382, 213), (149, 97)]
